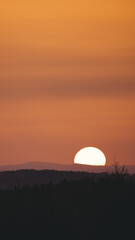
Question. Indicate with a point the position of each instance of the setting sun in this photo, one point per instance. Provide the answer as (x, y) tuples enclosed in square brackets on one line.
[(90, 156)]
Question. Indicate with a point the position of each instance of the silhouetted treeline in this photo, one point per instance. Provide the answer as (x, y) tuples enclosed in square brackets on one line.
[(89, 208), (19, 178)]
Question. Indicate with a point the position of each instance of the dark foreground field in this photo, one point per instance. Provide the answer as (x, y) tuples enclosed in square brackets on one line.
[(88, 208)]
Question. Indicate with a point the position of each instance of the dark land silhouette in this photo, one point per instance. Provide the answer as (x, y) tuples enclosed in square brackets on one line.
[(66, 205)]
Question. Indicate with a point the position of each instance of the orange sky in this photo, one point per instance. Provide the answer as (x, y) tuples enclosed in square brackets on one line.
[(67, 79)]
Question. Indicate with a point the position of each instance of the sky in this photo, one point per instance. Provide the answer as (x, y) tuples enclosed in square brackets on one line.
[(67, 79)]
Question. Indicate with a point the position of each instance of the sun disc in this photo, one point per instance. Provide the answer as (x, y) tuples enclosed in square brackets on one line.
[(90, 156)]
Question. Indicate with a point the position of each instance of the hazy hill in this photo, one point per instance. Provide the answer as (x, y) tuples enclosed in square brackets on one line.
[(53, 166), (61, 167)]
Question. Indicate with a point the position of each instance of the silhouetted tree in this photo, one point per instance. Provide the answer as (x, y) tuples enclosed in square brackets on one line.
[(119, 170)]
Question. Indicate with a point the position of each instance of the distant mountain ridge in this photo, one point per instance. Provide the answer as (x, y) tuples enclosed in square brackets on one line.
[(62, 167), (53, 166)]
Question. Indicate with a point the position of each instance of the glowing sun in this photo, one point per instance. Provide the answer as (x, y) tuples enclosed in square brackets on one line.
[(90, 156)]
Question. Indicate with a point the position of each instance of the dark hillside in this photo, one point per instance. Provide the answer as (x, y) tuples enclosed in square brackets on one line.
[(88, 208), (19, 178)]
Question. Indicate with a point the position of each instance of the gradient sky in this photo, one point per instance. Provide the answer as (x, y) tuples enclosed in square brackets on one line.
[(67, 79)]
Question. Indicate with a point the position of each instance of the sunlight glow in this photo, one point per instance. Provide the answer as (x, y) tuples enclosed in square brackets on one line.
[(90, 156)]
